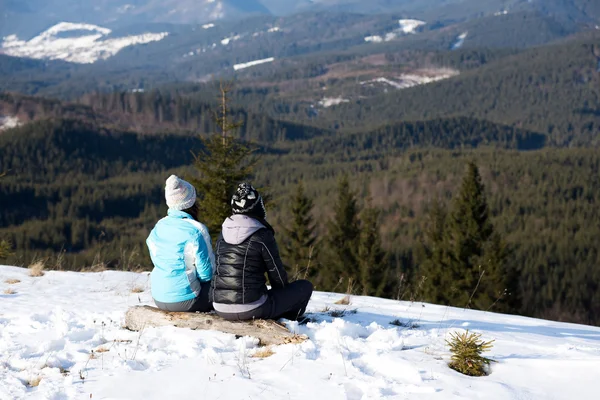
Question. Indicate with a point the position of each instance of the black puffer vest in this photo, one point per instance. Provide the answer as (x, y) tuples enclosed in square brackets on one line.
[(245, 251)]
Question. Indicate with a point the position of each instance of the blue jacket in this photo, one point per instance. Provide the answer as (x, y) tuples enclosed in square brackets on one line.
[(181, 251)]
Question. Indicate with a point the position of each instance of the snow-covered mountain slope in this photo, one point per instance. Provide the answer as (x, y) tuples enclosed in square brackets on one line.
[(26, 17), (410, 25), (50, 325), (77, 43), (415, 78), (253, 63), (8, 122)]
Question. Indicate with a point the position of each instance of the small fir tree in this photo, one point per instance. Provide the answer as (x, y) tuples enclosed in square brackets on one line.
[(301, 238), (342, 241), (373, 268), (223, 162), (466, 349)]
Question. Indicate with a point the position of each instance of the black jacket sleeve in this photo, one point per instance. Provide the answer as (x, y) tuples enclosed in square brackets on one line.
[(275, 268)]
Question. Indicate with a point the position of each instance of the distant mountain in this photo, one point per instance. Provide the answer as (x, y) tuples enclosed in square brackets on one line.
[(552, 89), (77, 43), (27, 18)]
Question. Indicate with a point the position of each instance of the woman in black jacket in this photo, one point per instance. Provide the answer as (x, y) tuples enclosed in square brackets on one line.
[(245, 250)]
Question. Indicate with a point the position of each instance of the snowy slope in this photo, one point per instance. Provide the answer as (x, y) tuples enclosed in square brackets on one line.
[(77, 43), (50, 325), (253, 63), (416, 78), (8, 122)]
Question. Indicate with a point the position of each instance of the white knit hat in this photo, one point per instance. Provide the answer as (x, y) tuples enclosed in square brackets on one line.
[(180, 195)]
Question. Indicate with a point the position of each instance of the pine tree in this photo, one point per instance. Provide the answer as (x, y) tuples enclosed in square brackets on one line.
[(373, 267), (434, 272), (463, 257), (301, 239), (5, 245), (478, 255), (223, 162), (343, 234), (5, 249)]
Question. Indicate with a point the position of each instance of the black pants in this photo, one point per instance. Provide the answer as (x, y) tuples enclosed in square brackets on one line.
[(199, 304), (289, 302)]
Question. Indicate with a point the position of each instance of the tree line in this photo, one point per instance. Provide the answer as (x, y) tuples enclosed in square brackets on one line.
[(82, 197)]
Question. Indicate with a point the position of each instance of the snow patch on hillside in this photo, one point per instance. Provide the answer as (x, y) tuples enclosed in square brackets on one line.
[(416, 78), (407, 27), (237, 67), (332, 101), (85, 48), (499, 13), (410, 25), (208, 26), (230, 39), (49, 327), (374, 39), (460, 40), (8, 122)]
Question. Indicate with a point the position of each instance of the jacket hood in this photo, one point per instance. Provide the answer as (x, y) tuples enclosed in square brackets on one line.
[(238, 228)]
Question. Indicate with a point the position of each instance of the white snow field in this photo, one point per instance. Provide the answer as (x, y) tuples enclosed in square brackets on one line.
[(237, 67), (8, 122), (410, 25), (332, 101), (50, 325), (460, 40), (87, 44), (418, 77)]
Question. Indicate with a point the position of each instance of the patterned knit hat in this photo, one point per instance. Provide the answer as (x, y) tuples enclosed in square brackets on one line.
[(246, 200), (180, 195)]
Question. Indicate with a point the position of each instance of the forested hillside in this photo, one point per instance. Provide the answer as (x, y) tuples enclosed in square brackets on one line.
[(553, 89), (82, 196), (399, 115)]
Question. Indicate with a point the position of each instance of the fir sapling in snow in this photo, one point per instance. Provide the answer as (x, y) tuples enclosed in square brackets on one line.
[(466, 349)]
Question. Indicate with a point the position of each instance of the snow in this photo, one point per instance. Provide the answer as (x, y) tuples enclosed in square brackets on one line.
[(8, 122), (460, 40), (208, 26), (274, 29), (332, 101), (374, 39), (237, 67), (228, 40), (499, 13), (125, 8), (217, 12), (85, 49), (390, 36), (410, 25), (419, 77), (50, 325)]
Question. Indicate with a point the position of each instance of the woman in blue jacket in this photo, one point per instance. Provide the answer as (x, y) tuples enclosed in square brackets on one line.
[(181, 251)]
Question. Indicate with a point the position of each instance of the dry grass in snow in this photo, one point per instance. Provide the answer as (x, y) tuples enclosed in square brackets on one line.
[(37, 269)]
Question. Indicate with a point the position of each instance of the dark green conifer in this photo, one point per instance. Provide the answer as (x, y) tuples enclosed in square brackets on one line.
[(5, 249), (222, 163), (342, 241), (372, 260), (434, 270), (299, 249), (464, 259)]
